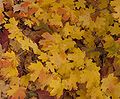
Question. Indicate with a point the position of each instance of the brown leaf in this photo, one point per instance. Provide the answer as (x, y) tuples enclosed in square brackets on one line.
[(42, 94), (4, 39), (7, 5), (104, 71)]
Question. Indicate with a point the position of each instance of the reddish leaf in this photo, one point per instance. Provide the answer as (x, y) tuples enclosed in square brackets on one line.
[(1, 17), (42, 94), (7, 6), (104, 71), (4, 39)]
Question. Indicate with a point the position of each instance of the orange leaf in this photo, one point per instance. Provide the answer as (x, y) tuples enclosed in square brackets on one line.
[(40, 1), (20, 94), (66, 17), (61, 11), (1, 17), (25, 4), (43, 77), (5, 63), (32, 11), (22, 14)]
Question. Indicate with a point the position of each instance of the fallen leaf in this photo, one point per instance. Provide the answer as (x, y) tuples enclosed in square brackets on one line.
[(42, 94), (4, 39), (5, 63), (118, 41), (20, 94), (32, 11), (25, 4)]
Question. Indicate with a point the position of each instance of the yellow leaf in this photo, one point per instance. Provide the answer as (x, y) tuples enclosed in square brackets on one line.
[(71, 82), (115, 30), (28, 22), (72, 31), (57, 87), (20, 37), (9, 72), (50, 66), (35, 69), (90, 74), (43, 57), (12, 57), (24, 80), (77, 57), (111, 86), (109, 82), (115, 4), (56, 20), (3, 88), (47, 2), (80, 4), (13, 89)]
